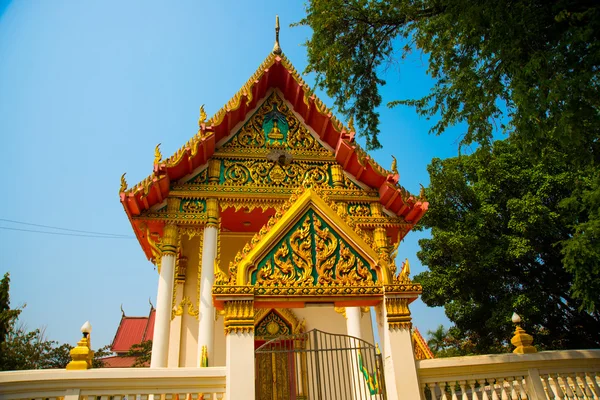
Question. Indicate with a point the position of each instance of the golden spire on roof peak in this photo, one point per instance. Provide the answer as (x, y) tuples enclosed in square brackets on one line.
[(277, 48)]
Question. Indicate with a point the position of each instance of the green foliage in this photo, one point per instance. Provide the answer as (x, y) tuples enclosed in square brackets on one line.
[(99, 354), (142, 352), (443, 343), (538, 59), (502, 224), (7, 316), (25, 349)]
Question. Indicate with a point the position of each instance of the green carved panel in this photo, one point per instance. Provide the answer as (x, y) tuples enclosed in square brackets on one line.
[(312, 253)]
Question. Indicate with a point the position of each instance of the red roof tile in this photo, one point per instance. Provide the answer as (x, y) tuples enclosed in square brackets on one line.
[(133, 330), (118, 362)]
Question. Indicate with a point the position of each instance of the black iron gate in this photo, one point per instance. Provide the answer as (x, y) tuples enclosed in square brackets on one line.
[(318, 366)]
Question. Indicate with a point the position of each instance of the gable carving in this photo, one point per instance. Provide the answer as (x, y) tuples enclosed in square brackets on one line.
[(274, 126), (313, 254)]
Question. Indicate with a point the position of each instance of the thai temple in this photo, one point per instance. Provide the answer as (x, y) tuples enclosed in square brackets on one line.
[(270, 222), (275, 237)]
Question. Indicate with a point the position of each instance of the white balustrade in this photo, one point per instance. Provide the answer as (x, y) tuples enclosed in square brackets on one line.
[(114, 384), (564, 375)]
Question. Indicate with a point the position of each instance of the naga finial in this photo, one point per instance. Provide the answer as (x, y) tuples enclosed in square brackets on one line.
[(277, 48), (394, 166), (351, 124), (157, 154), (151, 305), (202, 118), (404, 275), (422, 192), (123, 184), (122, 311)]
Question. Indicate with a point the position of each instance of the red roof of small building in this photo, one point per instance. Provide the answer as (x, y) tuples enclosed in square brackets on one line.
[(119, 362), (133, 330)]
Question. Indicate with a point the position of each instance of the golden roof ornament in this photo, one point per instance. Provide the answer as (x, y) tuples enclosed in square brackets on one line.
[(394, 166), (277, 48), (351, 124), (202, 118), (123, 184), (157, 154), (404, 275)]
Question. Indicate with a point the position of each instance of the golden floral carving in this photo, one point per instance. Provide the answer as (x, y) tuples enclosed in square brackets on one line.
[(293, 261), (193, 206), (191, 310), (359, 209), (268, 173)]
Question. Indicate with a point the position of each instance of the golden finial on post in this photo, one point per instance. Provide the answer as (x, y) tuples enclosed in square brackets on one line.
[(82, 355), (202, 118), (277, 48), (157, 154), (394, 166), (123, 184), (521, 339)]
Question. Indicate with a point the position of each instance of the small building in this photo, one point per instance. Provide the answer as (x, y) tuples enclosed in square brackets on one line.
[(131, 331)]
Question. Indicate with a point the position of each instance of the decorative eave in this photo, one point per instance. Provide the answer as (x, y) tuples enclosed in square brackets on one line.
[(275, 71), (420, 347)]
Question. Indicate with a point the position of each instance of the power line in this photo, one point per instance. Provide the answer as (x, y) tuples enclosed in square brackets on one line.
[(64, 229), (67, 234)]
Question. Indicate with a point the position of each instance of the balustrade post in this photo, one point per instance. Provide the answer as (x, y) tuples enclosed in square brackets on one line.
[(535, 388), (72, 394)]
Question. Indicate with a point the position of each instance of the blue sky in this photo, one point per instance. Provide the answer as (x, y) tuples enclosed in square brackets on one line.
[(87, 90)]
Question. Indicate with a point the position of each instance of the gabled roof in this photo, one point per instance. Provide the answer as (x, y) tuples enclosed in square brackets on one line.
[(420, 347), (275, 72), (288, 217), (133, 330)]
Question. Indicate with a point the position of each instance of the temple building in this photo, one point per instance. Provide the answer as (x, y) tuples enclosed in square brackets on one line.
[(270, 222)]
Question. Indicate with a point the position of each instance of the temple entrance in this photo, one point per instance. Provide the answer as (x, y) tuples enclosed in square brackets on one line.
[(276, 369), (318, 366)]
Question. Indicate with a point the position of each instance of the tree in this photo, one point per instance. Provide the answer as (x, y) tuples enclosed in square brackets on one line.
[(99, 354), (7, 316), (497, 220), (539, 59), (142, 352), (530, 69), (443, 343), (25, 349)]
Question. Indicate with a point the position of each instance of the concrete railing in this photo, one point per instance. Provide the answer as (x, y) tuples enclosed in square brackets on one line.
[(114, 384), (572, 374)]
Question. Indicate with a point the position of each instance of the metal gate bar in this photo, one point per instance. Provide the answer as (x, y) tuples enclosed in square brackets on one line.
[(319, 366)]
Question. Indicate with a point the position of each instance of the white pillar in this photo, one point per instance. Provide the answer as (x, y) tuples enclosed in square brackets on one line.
[(239, 328), (175, 335), (206, 316), (164, 298), (353, 315), (398, 350)]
